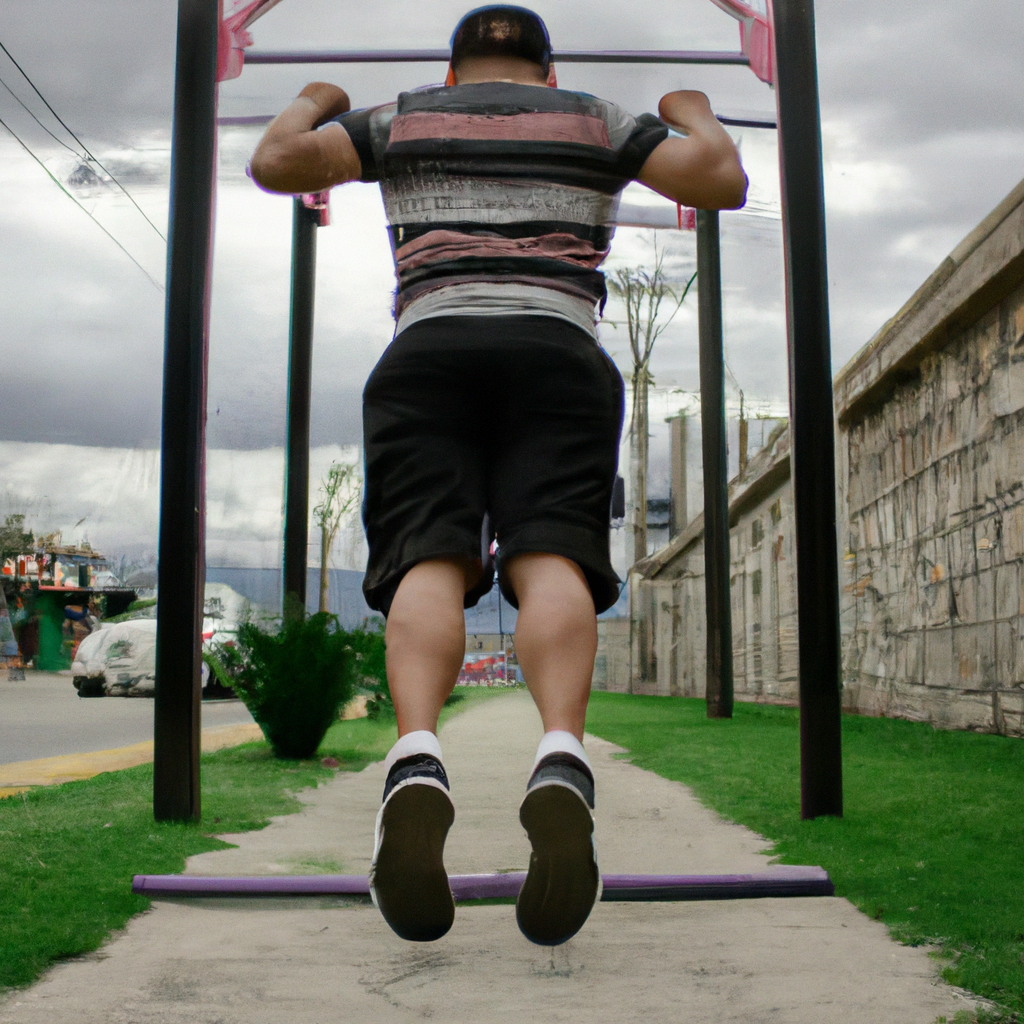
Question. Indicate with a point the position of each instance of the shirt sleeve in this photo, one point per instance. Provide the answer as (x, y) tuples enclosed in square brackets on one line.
[(357, 124), (648, 133)]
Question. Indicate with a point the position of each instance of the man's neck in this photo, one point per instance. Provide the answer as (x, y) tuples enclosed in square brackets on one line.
[(499, 69)]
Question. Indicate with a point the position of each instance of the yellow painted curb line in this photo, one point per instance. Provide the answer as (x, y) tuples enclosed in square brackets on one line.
[(52, 771)]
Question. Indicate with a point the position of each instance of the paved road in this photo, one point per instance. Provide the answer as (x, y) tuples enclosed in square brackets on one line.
[(44, 716), (769, 961)]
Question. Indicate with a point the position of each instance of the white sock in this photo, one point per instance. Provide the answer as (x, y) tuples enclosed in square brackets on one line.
[(562, 742), (419, 742)]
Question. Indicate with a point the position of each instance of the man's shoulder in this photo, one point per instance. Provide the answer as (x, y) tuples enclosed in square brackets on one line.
[(501, 98), (497, 99)]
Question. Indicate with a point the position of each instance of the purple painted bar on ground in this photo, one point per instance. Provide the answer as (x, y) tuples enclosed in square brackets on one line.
[(442, 57), (781, 881)]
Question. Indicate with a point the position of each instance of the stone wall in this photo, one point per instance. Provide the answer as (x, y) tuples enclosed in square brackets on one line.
[(931, 416), (667, 594), (611, 666), (935, 543), (930, 470)]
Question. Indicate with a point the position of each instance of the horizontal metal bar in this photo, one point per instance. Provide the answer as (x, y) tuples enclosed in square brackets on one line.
[(244, 120), (782, 880), (442, 57), (748, 122)]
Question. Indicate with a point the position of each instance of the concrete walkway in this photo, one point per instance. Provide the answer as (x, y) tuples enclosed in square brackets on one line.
[(317, 961)]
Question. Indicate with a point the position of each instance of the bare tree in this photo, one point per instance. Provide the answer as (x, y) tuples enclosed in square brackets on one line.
[(643, 291), (15, 540), (339, 496)]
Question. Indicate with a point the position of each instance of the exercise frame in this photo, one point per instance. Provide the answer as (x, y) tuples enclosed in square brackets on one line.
[(779, 46)]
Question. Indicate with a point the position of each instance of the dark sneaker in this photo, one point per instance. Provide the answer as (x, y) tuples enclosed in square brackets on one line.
[(563, 883), (408, 882)]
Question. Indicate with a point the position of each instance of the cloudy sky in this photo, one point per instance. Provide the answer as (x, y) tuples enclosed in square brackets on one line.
[(923, 124)]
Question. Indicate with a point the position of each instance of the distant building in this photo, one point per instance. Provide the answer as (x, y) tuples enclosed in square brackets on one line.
[(53, 563)]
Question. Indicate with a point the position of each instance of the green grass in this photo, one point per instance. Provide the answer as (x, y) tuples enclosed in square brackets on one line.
[(932, 837), (68, 853)]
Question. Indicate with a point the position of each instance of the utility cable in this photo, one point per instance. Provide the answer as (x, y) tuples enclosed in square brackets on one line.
[(31, 113), (88, 153), (74, 199)]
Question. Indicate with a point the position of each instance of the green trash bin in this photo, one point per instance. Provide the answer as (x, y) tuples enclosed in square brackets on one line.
[(52, 656)]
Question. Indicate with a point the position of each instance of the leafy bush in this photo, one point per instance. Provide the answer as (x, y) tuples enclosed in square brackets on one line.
[(145, 609), (294, 681), (379, 706), (372, 674), (368, 645), (224, 661)]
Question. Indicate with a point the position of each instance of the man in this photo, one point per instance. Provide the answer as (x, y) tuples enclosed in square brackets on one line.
[(494, 412)]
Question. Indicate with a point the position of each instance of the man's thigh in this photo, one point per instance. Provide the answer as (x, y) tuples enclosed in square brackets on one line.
[(425, 480), (556, 455), (518, 417)]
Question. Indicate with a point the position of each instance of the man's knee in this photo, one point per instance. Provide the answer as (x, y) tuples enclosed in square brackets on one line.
[(442, 575), (534, 574)]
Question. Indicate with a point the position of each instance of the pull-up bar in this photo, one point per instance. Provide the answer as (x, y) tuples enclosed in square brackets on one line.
[(443, 56), (250, 120)]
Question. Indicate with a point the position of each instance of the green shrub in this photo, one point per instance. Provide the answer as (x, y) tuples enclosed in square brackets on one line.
[(133, 611), (371, 672), (294, 681), (379, 706), (368, 645)]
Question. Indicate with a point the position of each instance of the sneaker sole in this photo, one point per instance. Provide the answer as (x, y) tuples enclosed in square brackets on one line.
[(408, 882), (563, 883)]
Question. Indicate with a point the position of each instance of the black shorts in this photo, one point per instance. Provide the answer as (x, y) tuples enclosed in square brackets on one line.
[(490, 426)]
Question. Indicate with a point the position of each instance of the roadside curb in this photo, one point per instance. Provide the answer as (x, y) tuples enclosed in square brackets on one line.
[(19, 776)]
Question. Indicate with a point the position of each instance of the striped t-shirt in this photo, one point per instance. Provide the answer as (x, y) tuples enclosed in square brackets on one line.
[(501, 198)]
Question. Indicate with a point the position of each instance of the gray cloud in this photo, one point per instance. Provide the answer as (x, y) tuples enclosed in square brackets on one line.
[(919, 69), (924, 134)]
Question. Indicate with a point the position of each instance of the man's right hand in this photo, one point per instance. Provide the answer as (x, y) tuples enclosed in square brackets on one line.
[(294, 158)]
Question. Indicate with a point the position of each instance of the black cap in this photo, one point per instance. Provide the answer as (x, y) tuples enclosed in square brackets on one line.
[(502, 30)]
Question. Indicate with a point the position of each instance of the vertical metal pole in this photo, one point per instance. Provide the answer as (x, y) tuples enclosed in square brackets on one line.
[(811, 411), (677, 475), (501, 636), (719, 691), (300, 368), (181, 571)]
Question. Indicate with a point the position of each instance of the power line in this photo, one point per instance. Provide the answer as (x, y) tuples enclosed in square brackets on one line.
[(88, 153), (31, 113), (60, 185)]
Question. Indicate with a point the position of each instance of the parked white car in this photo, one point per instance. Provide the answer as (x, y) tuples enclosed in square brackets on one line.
[(118, 659)]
